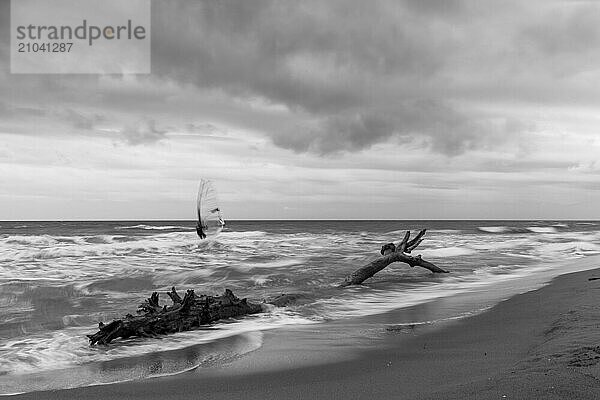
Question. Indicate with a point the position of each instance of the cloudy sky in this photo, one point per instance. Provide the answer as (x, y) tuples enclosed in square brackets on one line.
[(394, 109)]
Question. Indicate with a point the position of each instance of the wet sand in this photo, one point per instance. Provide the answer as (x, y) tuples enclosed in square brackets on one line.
[(541, 344)]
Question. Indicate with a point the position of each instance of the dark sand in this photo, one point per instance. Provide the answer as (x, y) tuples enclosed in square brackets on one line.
[(543, 344)]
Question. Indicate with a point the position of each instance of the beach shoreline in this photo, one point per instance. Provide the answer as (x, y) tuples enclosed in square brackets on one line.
[(539, 344)]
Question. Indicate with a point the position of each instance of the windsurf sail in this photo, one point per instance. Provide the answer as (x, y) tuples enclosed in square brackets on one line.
[(210, 217)]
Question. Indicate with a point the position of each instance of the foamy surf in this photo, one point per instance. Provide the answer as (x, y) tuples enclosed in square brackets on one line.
[(34, 362), (57, 280), (522, 229), (154, 227), (362, 301), (162, 362)]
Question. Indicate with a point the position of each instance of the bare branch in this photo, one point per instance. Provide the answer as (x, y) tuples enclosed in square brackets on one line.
[(174, 296), (416, 241), (404, 242)]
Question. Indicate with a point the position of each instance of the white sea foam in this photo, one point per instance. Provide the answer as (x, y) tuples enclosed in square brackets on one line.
[(367, 301), (69, 347), (447, 252), (575, 248), (494, 229), (154, 227), (515, 229), (542, 229), (27, 240), (30, 248), (284, 263), (260, 280), (62, 368), (361, 300), (241, 235)]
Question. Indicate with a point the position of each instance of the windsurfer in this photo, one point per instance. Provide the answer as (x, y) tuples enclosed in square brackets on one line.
[(210, 220), (199, 231)]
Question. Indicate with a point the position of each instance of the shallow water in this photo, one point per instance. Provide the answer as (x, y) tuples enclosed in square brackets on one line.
[(59, 279)]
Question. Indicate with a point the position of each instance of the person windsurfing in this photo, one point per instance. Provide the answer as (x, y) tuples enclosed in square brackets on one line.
[(199, 231), (210, 219)]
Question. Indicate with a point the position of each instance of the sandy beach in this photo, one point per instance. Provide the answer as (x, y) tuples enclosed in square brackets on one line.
[(540, 344)]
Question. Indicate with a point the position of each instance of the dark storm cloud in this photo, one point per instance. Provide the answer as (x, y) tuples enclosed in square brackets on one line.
[(353, 67), (350, 73), (423, 123), (361, 73)]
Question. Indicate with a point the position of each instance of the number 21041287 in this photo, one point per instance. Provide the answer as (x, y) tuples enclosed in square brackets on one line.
[(26, 47)]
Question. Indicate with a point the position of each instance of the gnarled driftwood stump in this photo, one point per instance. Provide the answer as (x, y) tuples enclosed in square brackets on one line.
[(183, 315)]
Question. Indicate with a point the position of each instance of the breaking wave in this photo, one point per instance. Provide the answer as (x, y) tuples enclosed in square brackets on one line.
[(154, 227), (516, 229)]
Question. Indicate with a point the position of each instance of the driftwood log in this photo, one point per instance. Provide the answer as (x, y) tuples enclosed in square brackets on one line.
[(193, 311), (183, 315), (392, 253)]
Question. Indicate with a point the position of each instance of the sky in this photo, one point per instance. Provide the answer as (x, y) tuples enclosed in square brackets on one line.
[(314, 109)]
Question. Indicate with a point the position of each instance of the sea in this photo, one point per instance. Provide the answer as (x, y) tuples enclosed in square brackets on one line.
[(58, 280)]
